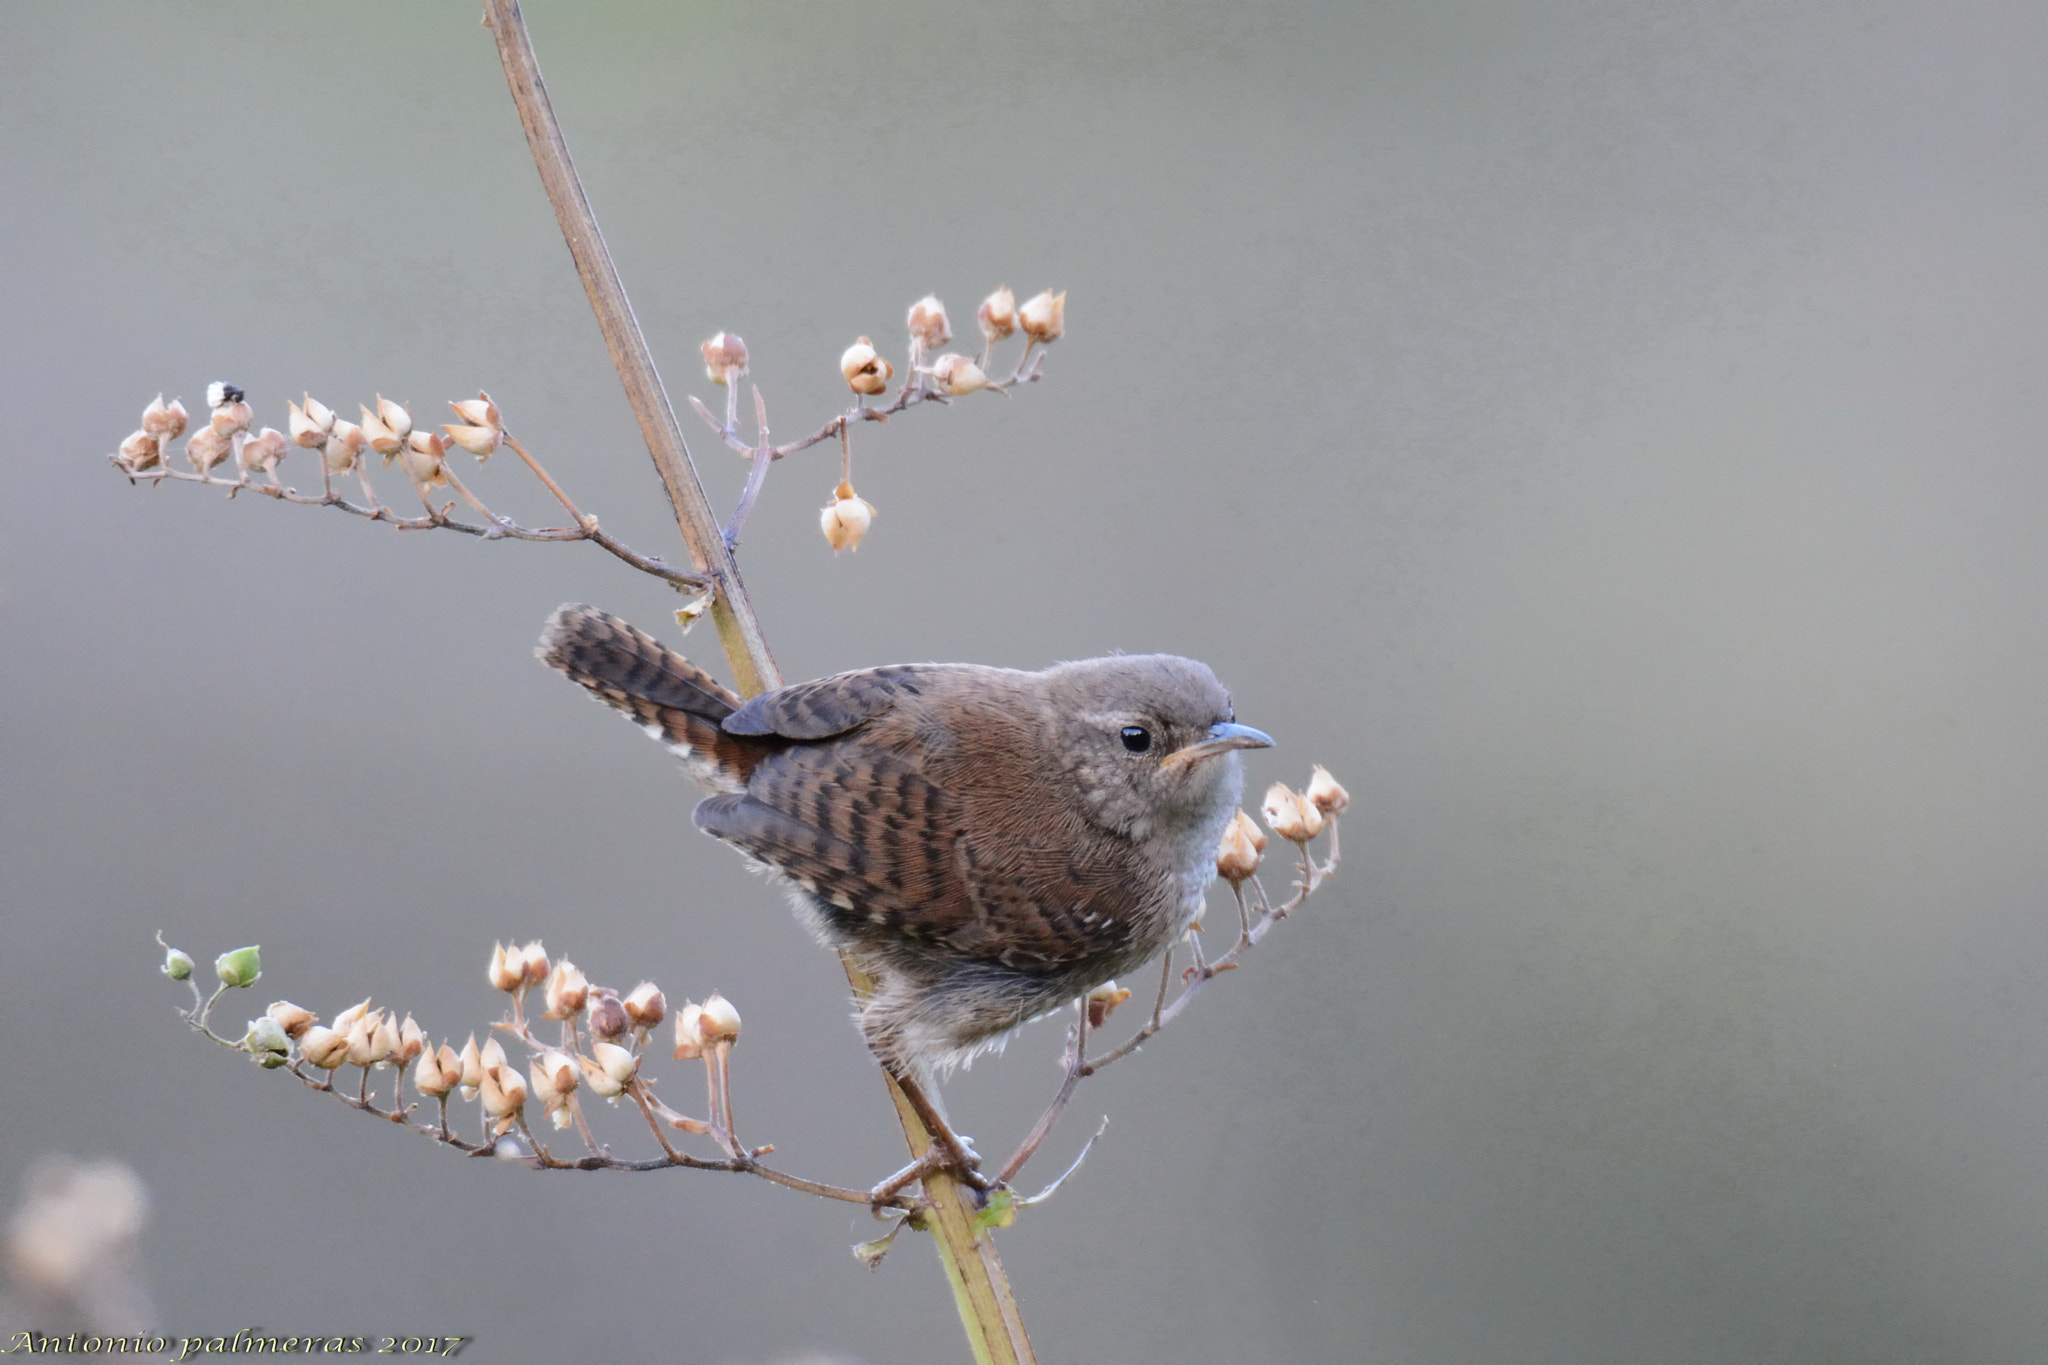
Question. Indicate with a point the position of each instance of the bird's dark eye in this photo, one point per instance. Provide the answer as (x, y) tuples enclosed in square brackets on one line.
[(1137, 738)]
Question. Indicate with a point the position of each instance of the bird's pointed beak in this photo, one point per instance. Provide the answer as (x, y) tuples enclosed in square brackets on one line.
[(1222, 738)]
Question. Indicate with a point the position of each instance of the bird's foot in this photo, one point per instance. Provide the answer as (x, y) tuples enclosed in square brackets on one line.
[(949, 1152)]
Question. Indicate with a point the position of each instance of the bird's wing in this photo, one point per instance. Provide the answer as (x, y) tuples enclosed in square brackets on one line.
[(881, 847), (830, 706)]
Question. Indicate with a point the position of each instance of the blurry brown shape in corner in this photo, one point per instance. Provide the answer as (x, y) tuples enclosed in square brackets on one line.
[(73, 1259)]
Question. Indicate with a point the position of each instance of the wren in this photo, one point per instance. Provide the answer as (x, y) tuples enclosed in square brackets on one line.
[(988, 844)]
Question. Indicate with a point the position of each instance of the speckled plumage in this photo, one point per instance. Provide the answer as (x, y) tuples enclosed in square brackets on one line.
[(982, 840)]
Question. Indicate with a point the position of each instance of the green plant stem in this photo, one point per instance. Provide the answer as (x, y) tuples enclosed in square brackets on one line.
[(981, 1289)]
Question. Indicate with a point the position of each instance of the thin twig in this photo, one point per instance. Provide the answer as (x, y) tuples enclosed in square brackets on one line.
[(597, 1161), (546, 478), (1050, 1190), (909, 396), (1079, 1067), (757, 472), (502, 529)]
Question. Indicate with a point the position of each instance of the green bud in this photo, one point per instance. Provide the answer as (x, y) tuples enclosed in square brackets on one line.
[(238, 968), (177, 965), (267, 1043), (265, 1035)]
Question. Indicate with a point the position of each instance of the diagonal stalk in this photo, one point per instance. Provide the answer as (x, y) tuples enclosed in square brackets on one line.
[(981, 1290), (739, 630)]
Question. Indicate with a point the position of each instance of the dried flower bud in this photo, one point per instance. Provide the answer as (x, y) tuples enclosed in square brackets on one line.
[(846, 519), (305, 433), (482, 433), (346, 1020), (1282, 809), (555, 1076), (1290, 817), (266, 1042), (719, 1022), (164, 423), (956, 374), (534, 960), (324, 1048), (598, 1079), (646, 1006), (345, 445), (866, 372), (481, 442), (492, 1053), (385, 1043), (1044, 316), (479, 411), (421, 458), (207, 448), (1237, 856), (997, 315), (608, 1069), (454, 1068), (395, 416), (232, 418), (618, 1063), (438, 1072), (507, 971), (177, 965), (240, 967), (139, 452), (504, 1094), (381, 438), (1102, 1002), (411, 1041), (261, 453), (725, 358), (689, 1045), (1326, 792), (607, 1017), (362, 1039), (293, 1019), (1311, 817), (929, 329), (567, 991), (472, 1063)]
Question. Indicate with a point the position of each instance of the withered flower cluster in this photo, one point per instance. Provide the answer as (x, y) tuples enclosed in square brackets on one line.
[(605, 1037), (847, 517), (931, 376), (387, 428)]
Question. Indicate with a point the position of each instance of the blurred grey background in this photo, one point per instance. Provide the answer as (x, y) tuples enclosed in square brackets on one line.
[(1609, 435)]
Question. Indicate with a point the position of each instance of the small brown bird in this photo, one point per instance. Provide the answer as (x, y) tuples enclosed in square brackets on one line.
[(987, 843)]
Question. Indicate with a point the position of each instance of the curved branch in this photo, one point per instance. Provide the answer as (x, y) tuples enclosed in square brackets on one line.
[(502, 528)]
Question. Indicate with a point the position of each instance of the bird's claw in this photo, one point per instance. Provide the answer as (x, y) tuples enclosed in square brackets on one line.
[(957, 1156)]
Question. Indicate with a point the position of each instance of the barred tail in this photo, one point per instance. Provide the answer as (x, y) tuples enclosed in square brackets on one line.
[(669, 697)]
